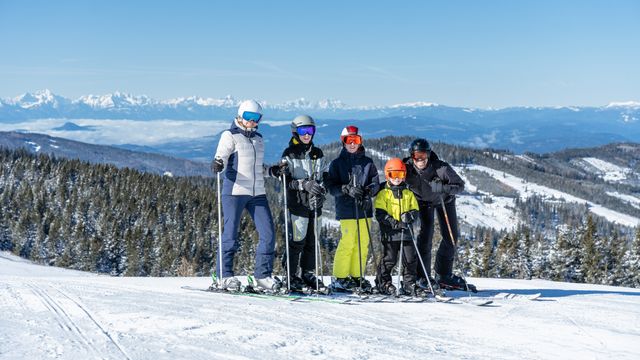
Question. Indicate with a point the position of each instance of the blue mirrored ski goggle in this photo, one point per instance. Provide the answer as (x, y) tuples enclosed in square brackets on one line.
[(251, 116), (306, 130)]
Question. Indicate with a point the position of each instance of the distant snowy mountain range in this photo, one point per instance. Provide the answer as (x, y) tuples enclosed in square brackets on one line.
[(518, 129), (119, 105)]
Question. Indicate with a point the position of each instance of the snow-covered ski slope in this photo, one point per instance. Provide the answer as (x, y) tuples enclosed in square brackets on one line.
[(50, 313), (499, 214)]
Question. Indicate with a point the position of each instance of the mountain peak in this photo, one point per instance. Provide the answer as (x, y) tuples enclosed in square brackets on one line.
[(624, 104)]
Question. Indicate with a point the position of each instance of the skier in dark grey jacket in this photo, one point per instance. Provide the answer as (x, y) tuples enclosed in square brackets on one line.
[(307, 168), (435, 182)]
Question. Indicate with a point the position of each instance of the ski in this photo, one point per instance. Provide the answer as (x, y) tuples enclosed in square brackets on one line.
[(274, 296), (512, 296)]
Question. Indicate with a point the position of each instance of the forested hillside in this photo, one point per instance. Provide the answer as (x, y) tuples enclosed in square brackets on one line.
[(124, 222)]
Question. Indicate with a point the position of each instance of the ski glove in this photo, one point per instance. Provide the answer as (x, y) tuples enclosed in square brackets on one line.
[(316, 202), (368, 190), (279, 169), (355, 192), (439, 188), (217, 165), (312, 187), (409, 217)]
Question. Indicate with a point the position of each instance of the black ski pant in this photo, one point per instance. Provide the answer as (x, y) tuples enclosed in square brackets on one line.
[(391, 253), (446, 249), (302, 246)]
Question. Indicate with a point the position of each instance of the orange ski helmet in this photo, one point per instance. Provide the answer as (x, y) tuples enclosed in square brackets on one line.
[(395, 168)]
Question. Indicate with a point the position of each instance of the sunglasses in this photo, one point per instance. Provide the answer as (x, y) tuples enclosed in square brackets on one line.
[(251, 116), (396, 174), (420, 156), (352, 139), (306, 130)]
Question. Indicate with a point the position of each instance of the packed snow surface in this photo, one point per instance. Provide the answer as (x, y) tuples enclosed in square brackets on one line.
[(61, 314)]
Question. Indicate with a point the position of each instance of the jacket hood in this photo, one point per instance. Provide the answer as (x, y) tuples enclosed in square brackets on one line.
[(238, 125)]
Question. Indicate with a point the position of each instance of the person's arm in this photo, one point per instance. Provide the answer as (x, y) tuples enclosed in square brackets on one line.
[(332, 182), (452, 182), (226, 147), (373, 181), (381, 214)]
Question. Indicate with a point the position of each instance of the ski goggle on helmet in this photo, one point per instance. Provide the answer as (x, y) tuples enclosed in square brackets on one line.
[(395, 169), (306, 130), (251, 116), (250, 110), (350, 135)]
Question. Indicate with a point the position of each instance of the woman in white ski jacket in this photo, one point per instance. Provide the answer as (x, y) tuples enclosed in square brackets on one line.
[(240, 154)]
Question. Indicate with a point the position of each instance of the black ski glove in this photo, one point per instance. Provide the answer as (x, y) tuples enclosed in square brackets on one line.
[(408, 217), (217, 165), (279, 169), (368, 190), (395, 224), (312, 187), (439, 188), (355, 192)]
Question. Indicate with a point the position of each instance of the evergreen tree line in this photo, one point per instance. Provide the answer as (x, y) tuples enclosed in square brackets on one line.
[(100, 218), (575, 254)]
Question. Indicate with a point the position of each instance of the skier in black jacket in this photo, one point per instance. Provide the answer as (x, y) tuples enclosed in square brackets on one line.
[(432, 181), (305, 195)]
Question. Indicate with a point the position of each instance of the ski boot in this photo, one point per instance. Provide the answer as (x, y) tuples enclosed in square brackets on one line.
[(454, 282), (269, 284), (341, 285), (362, 286), (231, 284), (424, 284), (313, 282), (295, 284), (387, 288)]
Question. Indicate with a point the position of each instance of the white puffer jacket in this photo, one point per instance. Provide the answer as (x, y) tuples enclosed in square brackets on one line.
[(242, 151)]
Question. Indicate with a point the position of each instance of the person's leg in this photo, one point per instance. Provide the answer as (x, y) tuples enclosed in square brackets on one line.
[(342, 257), (409, 263), (258, 208), (232, 207), (308, 256), (298, 228), (446, 251), (388, 262), (364, 249), (425, 238)]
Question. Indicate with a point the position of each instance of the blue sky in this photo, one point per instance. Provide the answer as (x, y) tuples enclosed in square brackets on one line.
[(459, 53)]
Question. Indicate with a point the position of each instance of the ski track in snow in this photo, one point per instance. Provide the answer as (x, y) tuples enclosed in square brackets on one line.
[(62, 314)]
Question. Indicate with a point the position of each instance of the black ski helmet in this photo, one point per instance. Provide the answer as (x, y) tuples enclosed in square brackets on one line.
[(421, 145)]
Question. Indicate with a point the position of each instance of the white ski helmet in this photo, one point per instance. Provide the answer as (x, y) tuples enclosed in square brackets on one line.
[(249, 105), (301, 120)]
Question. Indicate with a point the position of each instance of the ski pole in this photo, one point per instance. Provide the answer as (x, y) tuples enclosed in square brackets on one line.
[(424, 268), (371, 249), (400, 286), (221, 276), (355, 207), (454, 242), (286, 225), (318, 257)]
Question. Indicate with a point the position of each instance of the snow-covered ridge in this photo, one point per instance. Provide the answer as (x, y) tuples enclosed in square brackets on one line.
[(527, 189), (624, 104), (608, 171)]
